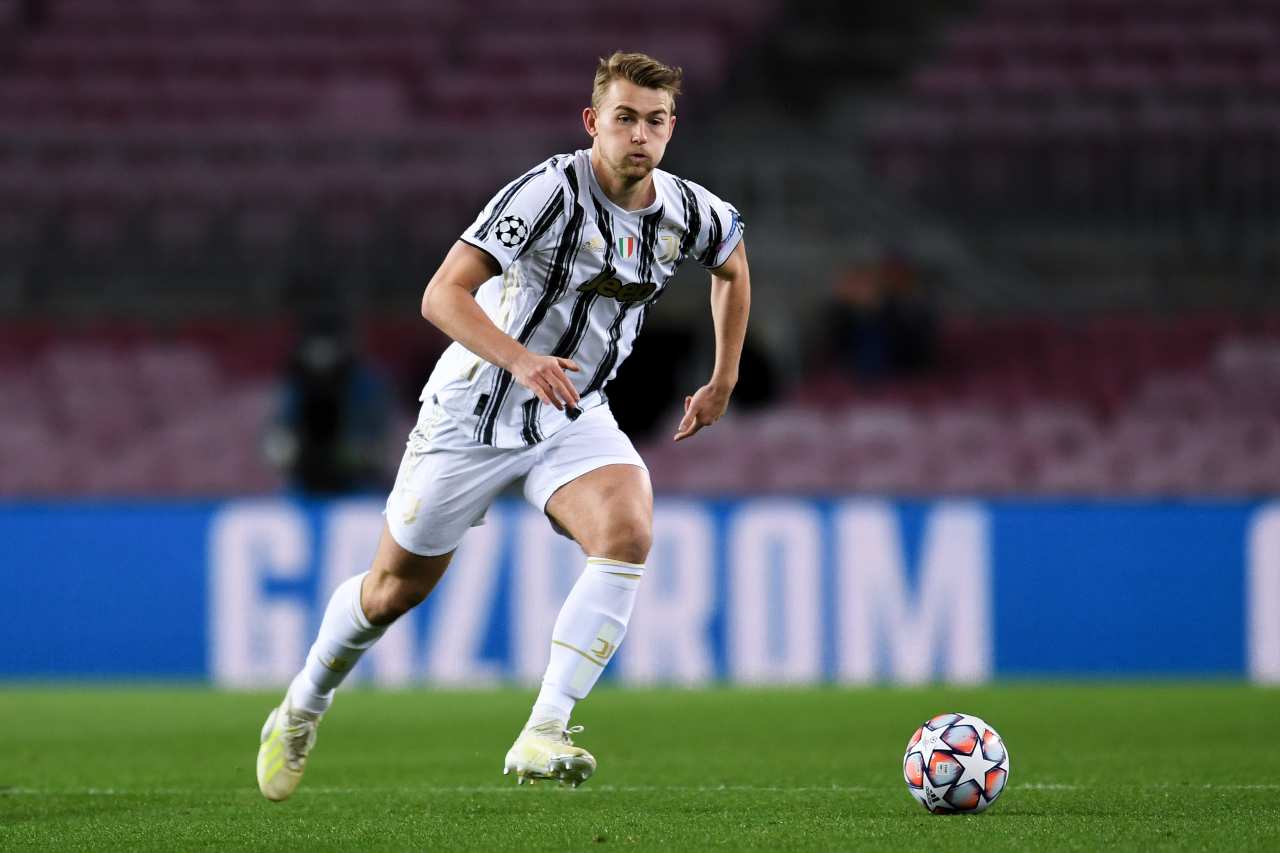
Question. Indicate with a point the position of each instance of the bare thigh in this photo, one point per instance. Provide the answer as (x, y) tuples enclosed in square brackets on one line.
[(607, 511), (398, 580)]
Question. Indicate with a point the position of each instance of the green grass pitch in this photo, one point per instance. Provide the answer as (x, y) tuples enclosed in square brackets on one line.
[(1109, 766)]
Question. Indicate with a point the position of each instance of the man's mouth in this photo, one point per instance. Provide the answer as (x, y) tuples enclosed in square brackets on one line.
[(638, 158)]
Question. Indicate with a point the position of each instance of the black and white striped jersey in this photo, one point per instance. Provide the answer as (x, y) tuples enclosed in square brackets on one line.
[(579, 275)]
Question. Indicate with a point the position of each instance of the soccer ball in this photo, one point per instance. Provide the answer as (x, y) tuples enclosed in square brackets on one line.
[(955, 763), (511, 231)]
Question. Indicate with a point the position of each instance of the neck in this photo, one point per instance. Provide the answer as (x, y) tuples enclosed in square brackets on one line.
[(626, 193)]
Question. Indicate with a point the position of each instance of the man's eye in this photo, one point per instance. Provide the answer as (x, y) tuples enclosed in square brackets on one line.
[(624, 119)]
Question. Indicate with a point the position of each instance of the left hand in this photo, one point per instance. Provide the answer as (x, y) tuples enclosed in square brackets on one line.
[(704, 408)]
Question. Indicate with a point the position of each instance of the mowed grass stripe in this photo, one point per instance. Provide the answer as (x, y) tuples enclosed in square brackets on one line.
[(1151, 766), (316, 790)]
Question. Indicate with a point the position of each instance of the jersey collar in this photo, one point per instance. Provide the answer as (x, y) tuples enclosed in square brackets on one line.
[(598, 193)]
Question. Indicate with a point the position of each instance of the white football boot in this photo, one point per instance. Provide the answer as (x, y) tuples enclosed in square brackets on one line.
[(545, 751), (287, 737)]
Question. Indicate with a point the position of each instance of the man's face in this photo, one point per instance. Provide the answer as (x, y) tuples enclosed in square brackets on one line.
[(631, 128)]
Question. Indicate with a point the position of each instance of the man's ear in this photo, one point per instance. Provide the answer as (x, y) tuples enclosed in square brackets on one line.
[(589, 120)]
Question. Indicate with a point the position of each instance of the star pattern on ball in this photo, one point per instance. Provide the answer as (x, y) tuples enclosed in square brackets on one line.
[(974, 767), (931, 742)]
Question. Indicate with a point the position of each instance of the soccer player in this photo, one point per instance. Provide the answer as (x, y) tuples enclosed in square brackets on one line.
[(544, 296)]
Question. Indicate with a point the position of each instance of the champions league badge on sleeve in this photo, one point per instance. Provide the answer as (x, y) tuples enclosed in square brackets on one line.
[(511, 231)]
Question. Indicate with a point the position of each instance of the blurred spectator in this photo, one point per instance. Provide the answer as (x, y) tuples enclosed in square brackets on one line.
[(881, 325), (757, 379), (329, 434), (650, 379), (671, 362), (33, 13)]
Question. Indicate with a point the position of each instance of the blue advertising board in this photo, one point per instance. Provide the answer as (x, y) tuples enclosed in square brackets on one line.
[(750, 590)]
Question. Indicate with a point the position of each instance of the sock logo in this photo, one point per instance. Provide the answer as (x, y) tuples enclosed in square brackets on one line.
[(603, 648), (334, 663)]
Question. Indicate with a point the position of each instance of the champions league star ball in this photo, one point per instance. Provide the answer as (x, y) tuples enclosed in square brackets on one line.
[(955, 764)]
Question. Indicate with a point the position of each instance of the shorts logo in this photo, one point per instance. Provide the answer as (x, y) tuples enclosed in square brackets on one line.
[(511, 231), (612, 288), (411, 511)]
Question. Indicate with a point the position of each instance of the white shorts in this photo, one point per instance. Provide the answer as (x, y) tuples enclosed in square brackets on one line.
[(447, 480)]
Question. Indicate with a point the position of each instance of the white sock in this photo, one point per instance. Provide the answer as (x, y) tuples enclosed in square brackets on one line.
[(345, 634), (588, 631)]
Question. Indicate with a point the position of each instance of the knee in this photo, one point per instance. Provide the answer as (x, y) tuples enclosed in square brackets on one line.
[(387, 597), (627, 540)]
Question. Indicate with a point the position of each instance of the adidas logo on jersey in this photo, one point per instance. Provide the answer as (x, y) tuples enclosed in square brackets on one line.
[(614, 289)]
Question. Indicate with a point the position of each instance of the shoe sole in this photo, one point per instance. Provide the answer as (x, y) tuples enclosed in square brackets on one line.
[(568, 770)]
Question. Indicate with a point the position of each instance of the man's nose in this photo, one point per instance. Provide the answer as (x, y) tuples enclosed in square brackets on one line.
[(638, 133)]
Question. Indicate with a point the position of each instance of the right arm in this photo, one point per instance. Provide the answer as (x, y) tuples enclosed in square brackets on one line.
[(450, 305)]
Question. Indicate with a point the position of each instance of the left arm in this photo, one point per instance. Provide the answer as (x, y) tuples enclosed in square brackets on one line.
[(730, 304)]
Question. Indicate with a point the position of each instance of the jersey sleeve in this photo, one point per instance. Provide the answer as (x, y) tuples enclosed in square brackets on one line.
[(720, 230), (520, 217)]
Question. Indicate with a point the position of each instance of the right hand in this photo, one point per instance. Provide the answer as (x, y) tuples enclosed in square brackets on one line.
[(544, 375)]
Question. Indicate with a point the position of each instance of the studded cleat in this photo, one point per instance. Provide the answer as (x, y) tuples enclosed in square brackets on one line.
[(545, 751), (287, 738)]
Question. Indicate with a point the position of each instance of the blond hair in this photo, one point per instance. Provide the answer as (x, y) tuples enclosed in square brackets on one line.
[(638, 68)]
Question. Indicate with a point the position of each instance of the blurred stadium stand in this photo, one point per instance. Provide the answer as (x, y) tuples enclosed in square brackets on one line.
[(1119, 406), (1089, 188), (1115, 148), (191, 148)]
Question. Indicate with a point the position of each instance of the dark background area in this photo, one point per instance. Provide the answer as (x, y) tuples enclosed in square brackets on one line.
[(1000, 247)]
